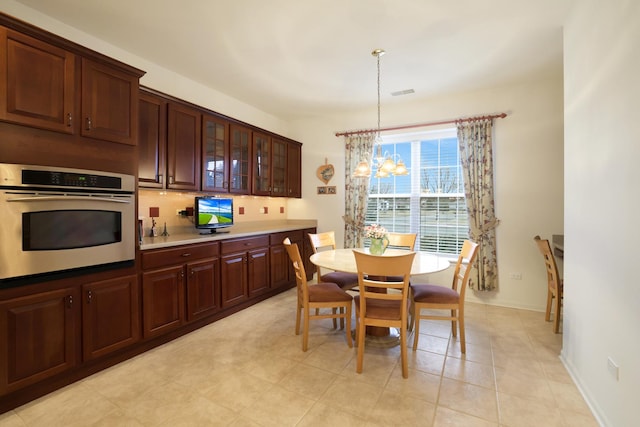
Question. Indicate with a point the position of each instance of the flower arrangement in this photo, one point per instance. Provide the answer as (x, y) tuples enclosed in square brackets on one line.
[(375, 231)]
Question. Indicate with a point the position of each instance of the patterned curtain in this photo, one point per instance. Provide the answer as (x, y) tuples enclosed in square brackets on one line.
[(356, 192), (476, 155)]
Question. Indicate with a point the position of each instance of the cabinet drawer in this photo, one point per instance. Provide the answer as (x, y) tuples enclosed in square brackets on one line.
[(295, 236), (178, 255), (239, 245)]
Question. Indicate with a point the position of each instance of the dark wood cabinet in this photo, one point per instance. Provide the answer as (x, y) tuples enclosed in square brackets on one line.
[(294, 174), (203, 288), (162, 300), (307, 251), (240, 160), (37, 83), (109, 103), (215, 154), (261, 164), (282, 273), (110, 315), (279, 167), (152, 140), (183, 147), (244, 269), (39, 336), (175, 291)]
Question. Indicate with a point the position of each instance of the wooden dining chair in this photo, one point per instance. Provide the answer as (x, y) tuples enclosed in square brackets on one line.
[(327, 241), (402, 240), (554, 283), (435, 297), (314, 300), (382, 303)]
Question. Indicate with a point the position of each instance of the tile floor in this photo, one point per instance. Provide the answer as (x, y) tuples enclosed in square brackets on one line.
[(249, 370)]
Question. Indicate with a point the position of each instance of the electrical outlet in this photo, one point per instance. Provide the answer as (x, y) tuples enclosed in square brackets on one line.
[(515, 276), (613, 368)]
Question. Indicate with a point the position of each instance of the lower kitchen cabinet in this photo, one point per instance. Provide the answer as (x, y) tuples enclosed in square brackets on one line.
[(244, 269), (40, 332), (110, 315), (162, 300), (203, 288)]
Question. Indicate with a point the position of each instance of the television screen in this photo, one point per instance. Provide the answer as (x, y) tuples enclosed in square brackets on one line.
[(212, 213)]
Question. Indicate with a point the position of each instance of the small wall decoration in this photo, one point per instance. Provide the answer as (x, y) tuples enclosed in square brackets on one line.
[(325, 172), (327, 190), (322, 190)]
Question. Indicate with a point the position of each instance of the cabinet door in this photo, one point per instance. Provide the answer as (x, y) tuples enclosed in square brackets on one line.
[(261, 165), (309, 267), (240, 160), (279, 168), (36, 83), (183, 148), (110, 316), (234, 279), (294, 158), (215, 154), (280, 266), (258, 273), (40, 332), (109, 103), (203, 288), (162, 300), (152, 140)]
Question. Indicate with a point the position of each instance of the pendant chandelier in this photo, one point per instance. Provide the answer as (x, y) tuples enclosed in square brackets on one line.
[(385, 164)]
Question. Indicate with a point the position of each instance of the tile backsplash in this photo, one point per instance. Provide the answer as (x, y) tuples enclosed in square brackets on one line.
[(245, 208)]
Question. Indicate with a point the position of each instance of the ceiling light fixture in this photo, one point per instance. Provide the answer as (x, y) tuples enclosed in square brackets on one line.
[(385, 164)]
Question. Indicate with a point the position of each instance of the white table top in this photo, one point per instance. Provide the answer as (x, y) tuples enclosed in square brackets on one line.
[(343, 260)]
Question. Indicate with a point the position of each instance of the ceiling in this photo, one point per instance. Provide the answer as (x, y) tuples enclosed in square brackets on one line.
[(295, 58)]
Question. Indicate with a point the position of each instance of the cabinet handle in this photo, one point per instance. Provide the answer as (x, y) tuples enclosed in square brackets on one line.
[(89, 297), (70, 301), (89, 124), (159, 179), (170, 179), (69, 120), (186, 254)]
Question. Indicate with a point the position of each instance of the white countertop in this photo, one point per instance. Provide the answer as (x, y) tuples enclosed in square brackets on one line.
[(189, 235)]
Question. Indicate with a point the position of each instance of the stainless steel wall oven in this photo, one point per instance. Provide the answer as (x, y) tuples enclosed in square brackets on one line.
[(56, 221)]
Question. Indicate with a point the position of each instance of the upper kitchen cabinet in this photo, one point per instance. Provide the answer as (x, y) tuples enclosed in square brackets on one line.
[(50, 83), (261, 165), (240, 160), (294, 165), (109, 103), (215, 154), (183, 147), (152, 140), (279, 168), (36, 83)]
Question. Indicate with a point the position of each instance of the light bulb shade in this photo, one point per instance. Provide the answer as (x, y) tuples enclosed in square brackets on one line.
[(363, 170), (381, 174), (388, 166), (401, 169)]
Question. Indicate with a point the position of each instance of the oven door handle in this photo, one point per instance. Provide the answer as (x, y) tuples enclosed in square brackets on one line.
[(67, 199)]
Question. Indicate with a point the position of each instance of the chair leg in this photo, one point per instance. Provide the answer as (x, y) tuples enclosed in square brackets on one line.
[(556, 318), (348, 328), (305, 331), (416, 333), (454, 326), (403, 351), (463, 347), (412, 315), (298, 312), (547, 315), (361, 334), (335, 323)]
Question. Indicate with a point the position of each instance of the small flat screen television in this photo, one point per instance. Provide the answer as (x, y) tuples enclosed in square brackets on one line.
[(212, 213)]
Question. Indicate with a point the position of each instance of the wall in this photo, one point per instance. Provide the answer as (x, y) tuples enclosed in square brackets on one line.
[(602, 296), (528, 163)]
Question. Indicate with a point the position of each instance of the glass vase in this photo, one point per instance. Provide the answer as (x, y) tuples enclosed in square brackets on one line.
[(378, 246)]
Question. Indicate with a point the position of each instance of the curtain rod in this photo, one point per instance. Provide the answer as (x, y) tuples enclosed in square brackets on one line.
[(419, 125)]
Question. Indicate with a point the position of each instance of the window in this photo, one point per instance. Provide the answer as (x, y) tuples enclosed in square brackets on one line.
[(430, 200)]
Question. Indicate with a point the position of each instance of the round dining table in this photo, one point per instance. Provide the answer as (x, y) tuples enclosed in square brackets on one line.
[(344, 260)]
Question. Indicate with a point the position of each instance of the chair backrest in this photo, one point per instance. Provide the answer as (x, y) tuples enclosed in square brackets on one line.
[(464, 265), (553, 278), (298, 267), (373, 267), (402, 240), (326, 240)]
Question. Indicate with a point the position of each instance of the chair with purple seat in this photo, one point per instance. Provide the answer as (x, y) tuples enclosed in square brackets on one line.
[(327, 241), (434, 297)]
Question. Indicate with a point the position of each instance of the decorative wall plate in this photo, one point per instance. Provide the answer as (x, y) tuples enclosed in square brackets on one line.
[(325, 172)]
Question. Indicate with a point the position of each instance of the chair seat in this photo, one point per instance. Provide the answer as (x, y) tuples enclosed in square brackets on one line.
[(380, 309), (327, 292), (434, 294), (344, 280)]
